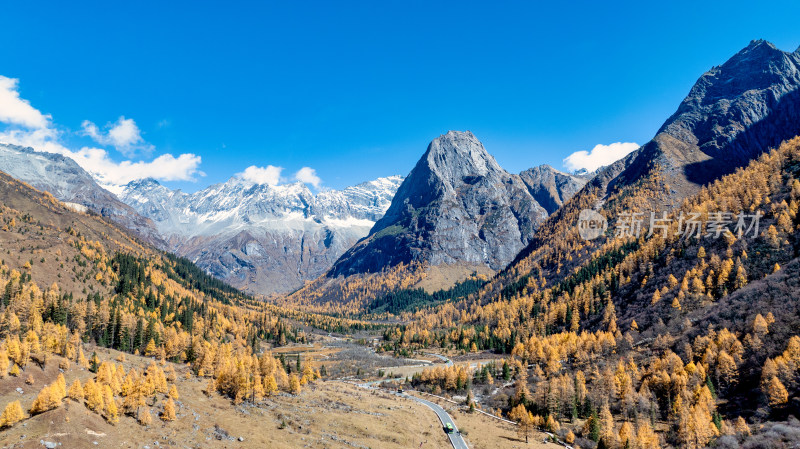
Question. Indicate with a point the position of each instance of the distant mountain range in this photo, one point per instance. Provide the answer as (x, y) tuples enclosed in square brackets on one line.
[(271, 239), (261, 238)]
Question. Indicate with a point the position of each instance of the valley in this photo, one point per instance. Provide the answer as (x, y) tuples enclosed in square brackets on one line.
[(461, 305)]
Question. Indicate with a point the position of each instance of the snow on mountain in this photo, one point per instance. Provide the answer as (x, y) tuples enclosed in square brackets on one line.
[(258, 237), (68, 182)]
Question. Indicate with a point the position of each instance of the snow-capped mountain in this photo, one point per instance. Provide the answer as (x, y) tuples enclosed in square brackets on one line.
[(259, 237), (68, 182)]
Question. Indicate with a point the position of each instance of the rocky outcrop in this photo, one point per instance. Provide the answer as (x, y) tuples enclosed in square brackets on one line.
[(457, 206)]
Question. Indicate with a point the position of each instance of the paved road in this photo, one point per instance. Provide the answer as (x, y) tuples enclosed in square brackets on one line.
[(446, 361), (455, 438)]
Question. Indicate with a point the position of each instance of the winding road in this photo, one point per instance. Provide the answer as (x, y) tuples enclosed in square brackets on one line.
[(455, 438)]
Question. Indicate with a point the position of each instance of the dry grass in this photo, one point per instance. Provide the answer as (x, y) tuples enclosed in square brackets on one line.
[(325, 415), (481, 431), (442, 277)]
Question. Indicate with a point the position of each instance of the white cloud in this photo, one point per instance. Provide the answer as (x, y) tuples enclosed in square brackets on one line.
[(600, 156), (28, 127), (123, 135), (270, 174), (309, 176), (16, 111), (106, 171)]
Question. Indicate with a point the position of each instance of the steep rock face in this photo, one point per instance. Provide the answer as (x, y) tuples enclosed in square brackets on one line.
[(550, 187), (261, 238), (457, 206), (68, 182), (733, 113)]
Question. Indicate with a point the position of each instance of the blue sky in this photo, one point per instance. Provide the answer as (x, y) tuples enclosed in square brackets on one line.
[(355, 90)]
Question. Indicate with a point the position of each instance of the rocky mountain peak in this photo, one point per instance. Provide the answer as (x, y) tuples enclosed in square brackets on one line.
[(456, 155), (146, 183), (456, 207)]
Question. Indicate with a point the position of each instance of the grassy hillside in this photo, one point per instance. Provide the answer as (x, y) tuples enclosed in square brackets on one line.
[(72, 284)]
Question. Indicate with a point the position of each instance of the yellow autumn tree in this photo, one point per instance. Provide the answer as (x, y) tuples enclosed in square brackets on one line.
[(151, 349), (75, 391), (168, 414), (11, 415), (144, 417), (46, 400), (94, 395), (776, 392), (646, 438), (173, 392), (270, 385), (524, 420), (741, 427), (82, 361), (4, 363), (294, 384), (112, 412)]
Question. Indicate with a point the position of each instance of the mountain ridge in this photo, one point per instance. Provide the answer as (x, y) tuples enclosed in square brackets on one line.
[(68, 182), (262, 238)]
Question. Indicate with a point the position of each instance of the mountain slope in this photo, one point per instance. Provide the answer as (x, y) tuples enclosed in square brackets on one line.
[(261, 238), (668, 327), (67, 181), (734, 113), (552, 188), (456, 207)]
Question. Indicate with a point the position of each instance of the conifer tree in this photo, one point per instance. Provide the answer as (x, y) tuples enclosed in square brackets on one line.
[(11, 414), (168, 414)]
